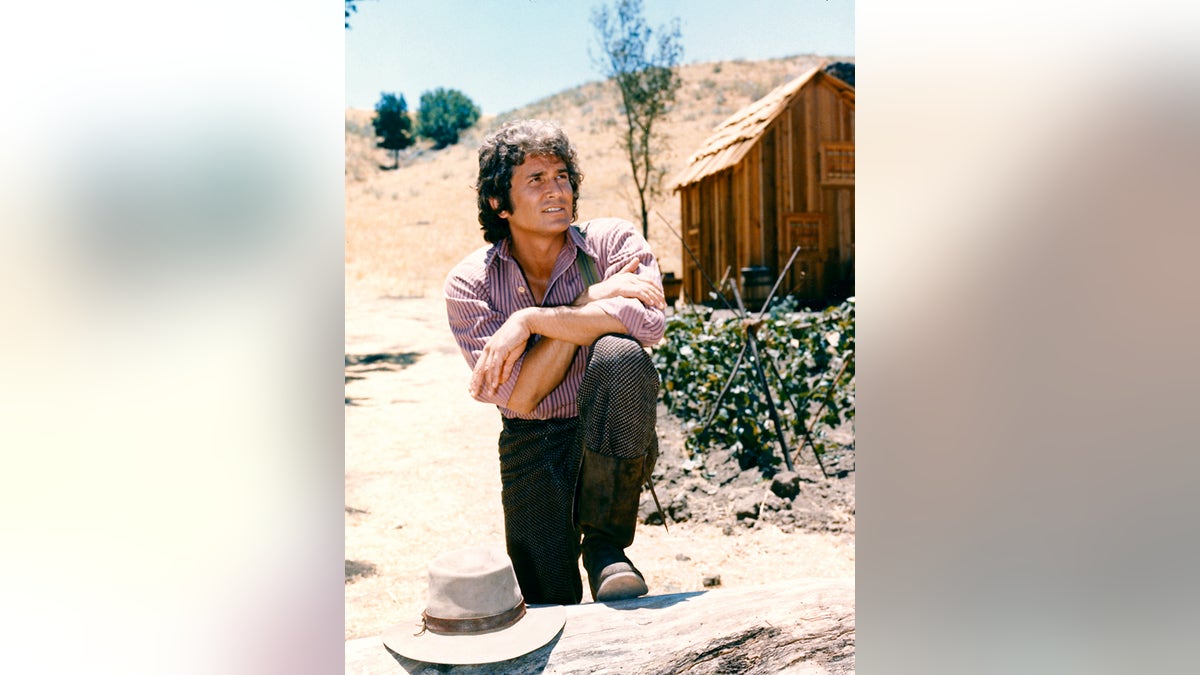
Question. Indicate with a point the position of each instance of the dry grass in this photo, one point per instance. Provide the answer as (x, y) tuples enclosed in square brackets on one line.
[(405, 229)]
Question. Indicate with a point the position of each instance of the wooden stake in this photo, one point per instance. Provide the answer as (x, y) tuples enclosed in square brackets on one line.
[(762, 380), (813, 421)]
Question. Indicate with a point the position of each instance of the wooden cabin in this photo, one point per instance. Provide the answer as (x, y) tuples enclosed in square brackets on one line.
[(777, 175)]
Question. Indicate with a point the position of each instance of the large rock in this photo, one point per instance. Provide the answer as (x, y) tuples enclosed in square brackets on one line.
[(802, 626)]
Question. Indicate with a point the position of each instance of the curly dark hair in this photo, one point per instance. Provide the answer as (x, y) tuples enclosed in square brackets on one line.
[(506, 149)]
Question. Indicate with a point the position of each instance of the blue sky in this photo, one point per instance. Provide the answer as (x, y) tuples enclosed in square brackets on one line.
[(506, 53)]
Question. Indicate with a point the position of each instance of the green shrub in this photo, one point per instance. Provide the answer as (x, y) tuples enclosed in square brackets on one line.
[(807, 359), (443, 114)]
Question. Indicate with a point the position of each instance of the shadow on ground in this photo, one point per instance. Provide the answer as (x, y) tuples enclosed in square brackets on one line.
[(364, 363)]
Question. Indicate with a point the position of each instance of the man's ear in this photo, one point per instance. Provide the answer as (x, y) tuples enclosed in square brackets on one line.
[(495, 203)]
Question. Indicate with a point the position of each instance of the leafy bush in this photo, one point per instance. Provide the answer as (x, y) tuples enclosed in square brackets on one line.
[(444, 113), (808, 360)]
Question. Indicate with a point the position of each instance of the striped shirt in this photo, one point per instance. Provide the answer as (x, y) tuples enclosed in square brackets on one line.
[(488, 286)]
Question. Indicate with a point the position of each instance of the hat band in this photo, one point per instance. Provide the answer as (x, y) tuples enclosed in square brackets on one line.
[(484, 624)]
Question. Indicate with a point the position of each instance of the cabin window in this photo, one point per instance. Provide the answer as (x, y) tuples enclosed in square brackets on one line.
[(837, 163)]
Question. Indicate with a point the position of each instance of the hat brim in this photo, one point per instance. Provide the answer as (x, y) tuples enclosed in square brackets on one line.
[(534, 630)]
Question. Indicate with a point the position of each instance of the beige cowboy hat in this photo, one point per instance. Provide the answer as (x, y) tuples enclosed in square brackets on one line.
[(476, 613)]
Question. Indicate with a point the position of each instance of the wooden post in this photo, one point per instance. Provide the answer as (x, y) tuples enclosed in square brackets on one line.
[(756, 360)]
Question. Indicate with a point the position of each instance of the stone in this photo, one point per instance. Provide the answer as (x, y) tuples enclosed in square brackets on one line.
[(786, 484), (773, 502), (746, 507), (723, 466), (648, 512), (678, 508)]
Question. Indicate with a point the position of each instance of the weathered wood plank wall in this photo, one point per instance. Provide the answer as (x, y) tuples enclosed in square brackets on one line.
[(739, 217)]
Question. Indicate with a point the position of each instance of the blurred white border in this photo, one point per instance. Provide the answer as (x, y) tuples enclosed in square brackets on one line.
[(171, 251), (1026, 208)]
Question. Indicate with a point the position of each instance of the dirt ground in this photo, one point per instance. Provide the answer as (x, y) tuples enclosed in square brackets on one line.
[(422, 477)]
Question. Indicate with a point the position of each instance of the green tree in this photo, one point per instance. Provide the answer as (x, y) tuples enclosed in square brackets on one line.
[(393, 125), (643, 62), (444, 113)]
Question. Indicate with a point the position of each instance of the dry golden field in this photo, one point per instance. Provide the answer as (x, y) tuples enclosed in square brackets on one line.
[(405, 229)]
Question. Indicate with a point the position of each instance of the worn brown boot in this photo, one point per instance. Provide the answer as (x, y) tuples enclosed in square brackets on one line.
[(609, 488)]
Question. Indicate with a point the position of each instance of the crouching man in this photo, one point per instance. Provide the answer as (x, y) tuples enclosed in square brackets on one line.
[(552, 319)]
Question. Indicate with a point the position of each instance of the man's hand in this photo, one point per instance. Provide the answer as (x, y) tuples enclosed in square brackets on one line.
[(625, 284), (499, 355)]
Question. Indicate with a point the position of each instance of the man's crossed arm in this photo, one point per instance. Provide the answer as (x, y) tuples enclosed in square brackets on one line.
[(563, 330)]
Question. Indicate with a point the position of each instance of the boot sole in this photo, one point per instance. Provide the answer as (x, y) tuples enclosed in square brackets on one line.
[(621, 586)]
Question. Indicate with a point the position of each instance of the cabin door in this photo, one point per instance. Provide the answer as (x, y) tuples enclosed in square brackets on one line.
[(806, 277)]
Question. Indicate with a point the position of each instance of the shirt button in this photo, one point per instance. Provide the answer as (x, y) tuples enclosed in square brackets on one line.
[(520, 289)]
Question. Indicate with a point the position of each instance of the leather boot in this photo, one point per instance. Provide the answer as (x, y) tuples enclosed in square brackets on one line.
[(609, 488)]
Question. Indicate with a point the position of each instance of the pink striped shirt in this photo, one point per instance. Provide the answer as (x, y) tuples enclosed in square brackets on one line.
[(488, 285)]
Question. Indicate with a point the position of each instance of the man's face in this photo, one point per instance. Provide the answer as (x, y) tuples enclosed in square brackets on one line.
[(541, 197)]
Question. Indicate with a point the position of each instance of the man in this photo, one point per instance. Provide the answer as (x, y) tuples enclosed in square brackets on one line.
[(563, 361)]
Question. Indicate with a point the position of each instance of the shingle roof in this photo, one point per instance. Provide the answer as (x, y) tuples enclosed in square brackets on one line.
[(734, 137)]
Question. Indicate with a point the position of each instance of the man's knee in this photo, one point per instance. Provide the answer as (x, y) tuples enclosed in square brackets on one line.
[(620, 359)]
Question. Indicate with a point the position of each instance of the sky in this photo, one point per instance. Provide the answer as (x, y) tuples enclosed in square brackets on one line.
[(504, 54)]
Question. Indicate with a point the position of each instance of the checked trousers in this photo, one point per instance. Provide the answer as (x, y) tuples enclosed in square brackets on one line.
[(540, 464)]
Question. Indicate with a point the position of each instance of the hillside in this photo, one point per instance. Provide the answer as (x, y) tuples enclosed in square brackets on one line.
[(406, 228)]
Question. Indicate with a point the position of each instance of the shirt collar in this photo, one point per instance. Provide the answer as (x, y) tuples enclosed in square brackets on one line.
[(575, 240), (503, 249)]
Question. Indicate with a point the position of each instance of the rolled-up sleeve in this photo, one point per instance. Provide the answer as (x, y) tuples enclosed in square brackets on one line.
[(646, 325), (617, 246), (473, 320)]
